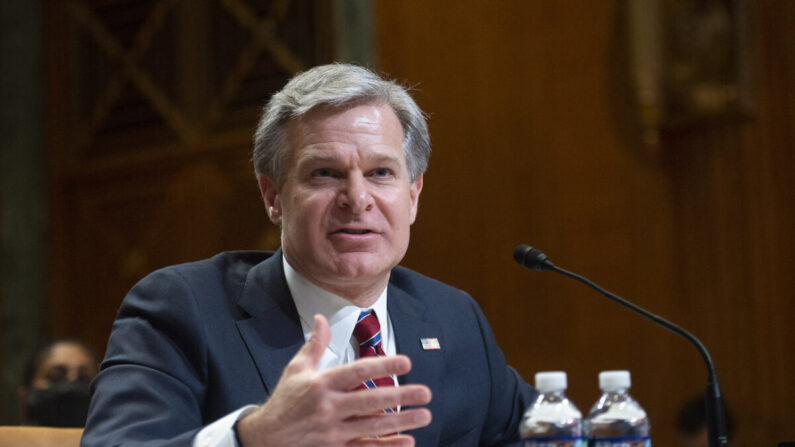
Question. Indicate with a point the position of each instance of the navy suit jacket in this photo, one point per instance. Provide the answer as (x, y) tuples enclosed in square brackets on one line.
[(194, 342)]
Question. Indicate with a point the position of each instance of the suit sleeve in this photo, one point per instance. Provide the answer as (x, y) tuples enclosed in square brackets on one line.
[(510, 394), (152, 382)]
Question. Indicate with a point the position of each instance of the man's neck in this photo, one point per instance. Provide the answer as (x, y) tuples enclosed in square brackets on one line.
[(362, 297), (362, 294)]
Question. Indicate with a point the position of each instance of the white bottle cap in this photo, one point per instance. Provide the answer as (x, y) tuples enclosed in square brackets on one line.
[(610, 381), (549, 381)]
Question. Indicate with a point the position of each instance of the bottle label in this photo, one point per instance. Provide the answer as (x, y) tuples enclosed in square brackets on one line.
[(625, 441), (554, 441)]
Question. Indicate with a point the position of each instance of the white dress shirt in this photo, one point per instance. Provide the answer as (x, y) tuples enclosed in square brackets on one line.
[(343, 348)]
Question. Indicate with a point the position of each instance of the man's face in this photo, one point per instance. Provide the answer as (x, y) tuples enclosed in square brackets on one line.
[(347, 202)]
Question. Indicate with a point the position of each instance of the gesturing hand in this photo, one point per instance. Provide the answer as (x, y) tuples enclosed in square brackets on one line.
[(317, 408)]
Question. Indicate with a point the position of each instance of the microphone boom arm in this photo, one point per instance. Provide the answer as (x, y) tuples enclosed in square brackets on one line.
[(658, 319)]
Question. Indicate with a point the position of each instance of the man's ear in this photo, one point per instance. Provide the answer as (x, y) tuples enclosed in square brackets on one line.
[(271, 198), (414, 196)]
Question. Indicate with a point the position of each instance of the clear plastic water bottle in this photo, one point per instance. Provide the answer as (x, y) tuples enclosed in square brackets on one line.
[(616, 419), (552, 420)]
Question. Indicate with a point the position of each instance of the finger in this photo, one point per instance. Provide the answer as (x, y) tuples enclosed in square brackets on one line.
[(390, 441), (370, 401), (351, 375), (387, 423), (311, 352)]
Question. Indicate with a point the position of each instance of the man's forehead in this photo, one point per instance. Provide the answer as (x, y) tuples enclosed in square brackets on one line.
[(310, 135), (368, 115), (317, 154), (335, 109)]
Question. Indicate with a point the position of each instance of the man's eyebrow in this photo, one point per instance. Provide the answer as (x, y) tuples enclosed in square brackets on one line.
[(321, 157), (384, 158), (314, 157)]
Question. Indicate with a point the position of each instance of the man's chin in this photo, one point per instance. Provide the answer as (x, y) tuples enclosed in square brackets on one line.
[(362, 265)]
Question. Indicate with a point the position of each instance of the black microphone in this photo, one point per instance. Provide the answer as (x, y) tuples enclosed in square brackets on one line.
[(534, 259)]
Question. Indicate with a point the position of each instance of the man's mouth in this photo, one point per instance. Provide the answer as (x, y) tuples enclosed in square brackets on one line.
[(353, 231)]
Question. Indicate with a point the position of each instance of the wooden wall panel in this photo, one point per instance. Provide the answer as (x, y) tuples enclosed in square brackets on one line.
[(121, 227), (534, 143), (151, 106)]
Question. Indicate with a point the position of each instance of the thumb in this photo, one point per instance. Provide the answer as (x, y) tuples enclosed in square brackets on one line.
[(318, 342)]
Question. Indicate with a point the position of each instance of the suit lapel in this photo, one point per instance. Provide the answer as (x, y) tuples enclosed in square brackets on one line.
[(272, 330), (407, 315)]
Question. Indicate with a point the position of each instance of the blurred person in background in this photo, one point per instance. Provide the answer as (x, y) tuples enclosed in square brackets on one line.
[(691, 424), (54, 391)]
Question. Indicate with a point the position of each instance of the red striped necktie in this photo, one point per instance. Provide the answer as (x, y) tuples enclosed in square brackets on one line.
[(368, 334)]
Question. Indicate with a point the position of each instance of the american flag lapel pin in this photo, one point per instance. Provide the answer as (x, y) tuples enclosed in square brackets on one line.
[(430, 344)]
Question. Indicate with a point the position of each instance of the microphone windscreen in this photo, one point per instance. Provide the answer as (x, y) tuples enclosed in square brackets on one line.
[(531, 258)]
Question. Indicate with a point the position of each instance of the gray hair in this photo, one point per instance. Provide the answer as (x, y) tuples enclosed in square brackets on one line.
[(336, 85)]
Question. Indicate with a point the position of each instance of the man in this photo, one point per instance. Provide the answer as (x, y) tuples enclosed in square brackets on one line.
[(260, 349)]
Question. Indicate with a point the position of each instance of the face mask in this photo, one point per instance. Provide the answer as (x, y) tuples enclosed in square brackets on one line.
[(63, 404)]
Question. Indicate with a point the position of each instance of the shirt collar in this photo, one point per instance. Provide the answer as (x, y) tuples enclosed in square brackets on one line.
[(341, 314)]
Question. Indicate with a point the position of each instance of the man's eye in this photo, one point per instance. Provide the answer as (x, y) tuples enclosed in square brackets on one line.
[(382, 172), (322, 172)]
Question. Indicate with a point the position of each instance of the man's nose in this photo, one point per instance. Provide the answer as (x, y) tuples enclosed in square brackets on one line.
[(355, 195)]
